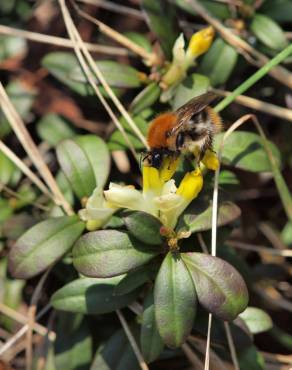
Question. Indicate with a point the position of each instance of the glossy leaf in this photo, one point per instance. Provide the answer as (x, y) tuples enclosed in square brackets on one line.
[(146, 98), (268, 32), (192, 86), (116, 74), (198, 216), (219, 10), (219, 62), (220, 288), (106, 253), (53, 129), (136, 278), (42, 245), (175, 301), (98, 155), (140, 40), (115, 354), (251, 359), (144, 227), (11, 46), (256, 320), (91, 296), (76, 167), (161, 18), (245, 150), (151, 342)]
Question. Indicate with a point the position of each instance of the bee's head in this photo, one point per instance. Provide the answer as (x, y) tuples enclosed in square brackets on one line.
[(153, 158)]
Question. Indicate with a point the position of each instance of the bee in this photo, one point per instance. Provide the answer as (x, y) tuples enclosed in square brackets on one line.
[(188, 130)]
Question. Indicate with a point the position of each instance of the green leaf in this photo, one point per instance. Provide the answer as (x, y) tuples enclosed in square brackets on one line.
[(22, 98), (245, 150), (146, 98), (268, 32), (219, 62), (53, 129), (73, 347), (91, 296), (116, 354), (9, 173), (198, 216), (175, 301), (117, 141), (161, 17), (98, 155), (151, 342), (116, 74), (11, 46), (106, 253), (136, 278), (251, 359), (256, 320), (192, 86), (61, 65), (220, 288), (144, 227), (42, 245), (286, 234), (221, 11), (279, 10), (77, 168)]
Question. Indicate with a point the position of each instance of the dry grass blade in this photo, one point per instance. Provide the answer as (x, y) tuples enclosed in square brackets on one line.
[(150, 58), (106, 86), (278, 72), (59, 41), (78, 46), (29, 337), (231, 346), (259, 105), (192, 357), (260, 248), (31, 149), (19, 317), (24, 169), (132, 341)]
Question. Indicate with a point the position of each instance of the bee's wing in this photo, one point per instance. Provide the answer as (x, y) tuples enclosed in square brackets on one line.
[(193, 106)]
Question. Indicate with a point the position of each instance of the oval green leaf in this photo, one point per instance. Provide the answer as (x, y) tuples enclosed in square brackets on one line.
[(42, 245), (76, 167), (53, 129), (219, 62), (98, 155), (198, 216), (91, 296), (245, 150), (268, 32), (151, 342), (106, 253), (256, 320), (192, 86), (144, 227), (220, 288), (175, 301)]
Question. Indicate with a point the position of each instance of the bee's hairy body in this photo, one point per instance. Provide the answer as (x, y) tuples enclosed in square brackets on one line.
[(190, 129)]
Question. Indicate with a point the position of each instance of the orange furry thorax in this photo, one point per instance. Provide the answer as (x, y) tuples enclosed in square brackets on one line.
[(158, 129)]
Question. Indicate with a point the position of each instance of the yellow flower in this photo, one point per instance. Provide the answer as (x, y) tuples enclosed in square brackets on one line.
[(210, 160), (200, 42)]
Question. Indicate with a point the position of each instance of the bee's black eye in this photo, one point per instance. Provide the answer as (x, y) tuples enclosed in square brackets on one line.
[(180, 139), (157, 160)]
